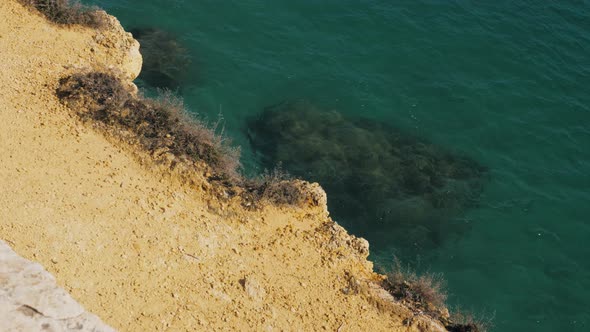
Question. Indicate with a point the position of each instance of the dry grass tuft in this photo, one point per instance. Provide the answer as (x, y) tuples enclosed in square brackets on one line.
[(465, 322), (68, 12), (275, 186), (426, 294)]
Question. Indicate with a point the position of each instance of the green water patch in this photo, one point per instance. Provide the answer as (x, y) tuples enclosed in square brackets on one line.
[(378, 178)]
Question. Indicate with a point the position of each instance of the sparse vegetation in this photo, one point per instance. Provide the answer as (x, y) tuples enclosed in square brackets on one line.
[(463, 327), (276, 186), (464, 322), (67, 12), (426, 294), (162, 126)]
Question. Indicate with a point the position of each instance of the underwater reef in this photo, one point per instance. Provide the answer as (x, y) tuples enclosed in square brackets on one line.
[(166, 61), (377, 177)]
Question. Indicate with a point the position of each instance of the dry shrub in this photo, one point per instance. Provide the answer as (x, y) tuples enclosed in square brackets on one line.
[(276, 186), (463, 327), (425, 293), (67, 12), (161, 125), (94, 95), (465, 322)]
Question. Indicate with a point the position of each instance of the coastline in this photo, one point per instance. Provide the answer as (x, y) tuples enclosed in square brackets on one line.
[(138, 245)]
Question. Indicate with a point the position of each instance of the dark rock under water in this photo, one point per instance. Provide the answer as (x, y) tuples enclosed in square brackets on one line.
[(381, 183), (165, 60)]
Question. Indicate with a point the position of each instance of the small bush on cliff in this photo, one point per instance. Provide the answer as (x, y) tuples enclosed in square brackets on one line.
[(426, 294), (67, 12), (276, 186), (461, 321), (160, 125)]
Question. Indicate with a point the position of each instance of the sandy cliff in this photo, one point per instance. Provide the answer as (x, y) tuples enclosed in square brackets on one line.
[(139, 246)]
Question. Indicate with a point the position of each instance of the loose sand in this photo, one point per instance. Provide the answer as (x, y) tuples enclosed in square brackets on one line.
[(136, 245)]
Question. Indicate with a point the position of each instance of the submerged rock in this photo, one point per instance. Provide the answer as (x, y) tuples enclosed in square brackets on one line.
[(165, 60), (376, 176)]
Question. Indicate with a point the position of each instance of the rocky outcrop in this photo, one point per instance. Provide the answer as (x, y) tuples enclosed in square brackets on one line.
[(30, 300), (115, 41)]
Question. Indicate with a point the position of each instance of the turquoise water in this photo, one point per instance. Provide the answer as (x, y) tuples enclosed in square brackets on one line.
[(506, 83)]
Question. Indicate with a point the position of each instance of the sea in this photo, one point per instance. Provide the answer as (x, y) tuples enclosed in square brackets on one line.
[(504, 83)]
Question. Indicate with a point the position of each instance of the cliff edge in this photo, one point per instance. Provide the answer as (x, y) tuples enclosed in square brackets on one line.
[(138, 245)]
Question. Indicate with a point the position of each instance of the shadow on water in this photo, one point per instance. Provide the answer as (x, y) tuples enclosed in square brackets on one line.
[(390, 187), (166, 62)]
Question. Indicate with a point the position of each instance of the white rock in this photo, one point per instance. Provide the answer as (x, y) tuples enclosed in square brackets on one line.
[(30, 300)]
